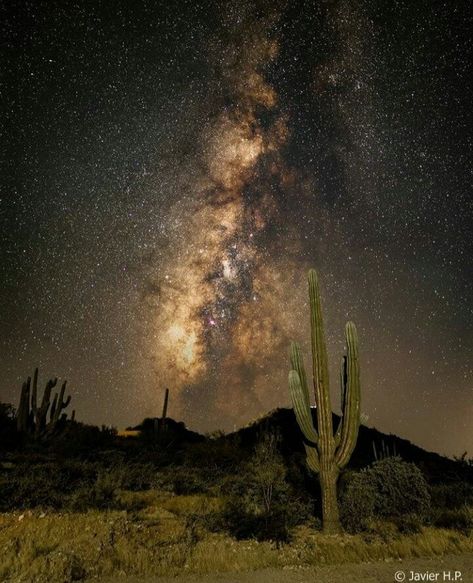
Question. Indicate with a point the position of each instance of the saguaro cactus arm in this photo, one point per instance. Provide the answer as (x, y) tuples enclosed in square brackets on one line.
[(297, 364), (33, 419), (343, 393), (23, 412), (46, 398), (320, 362), (351, 412), (312, 458), (300, 402), (34, 393), (59, 404), (52, 413)]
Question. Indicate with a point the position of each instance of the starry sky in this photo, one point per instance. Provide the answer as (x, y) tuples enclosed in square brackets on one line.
[(174, 168)]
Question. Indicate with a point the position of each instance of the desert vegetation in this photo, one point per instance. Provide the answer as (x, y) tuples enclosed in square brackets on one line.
[(81, 502), (88, 503)]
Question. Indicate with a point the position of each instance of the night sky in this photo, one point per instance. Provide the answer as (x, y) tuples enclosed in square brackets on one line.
[(174, 168)]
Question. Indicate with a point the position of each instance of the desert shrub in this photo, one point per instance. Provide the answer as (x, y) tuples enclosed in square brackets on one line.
[(357, 502), (138, 477), (452, 495), (102, 493), (378, 528), (460, 519), (400, 488), (218, 454), (44, 484), (8, 435), (409, 523), (246, 522), (260, 503), (163, 481), (71, 484), (186, 480), (80, 440), (389, 488)]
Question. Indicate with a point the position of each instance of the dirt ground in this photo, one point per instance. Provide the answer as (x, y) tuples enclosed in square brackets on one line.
[(451, 568)]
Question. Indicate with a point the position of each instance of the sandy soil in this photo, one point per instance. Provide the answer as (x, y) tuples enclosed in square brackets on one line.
[(438, 569)]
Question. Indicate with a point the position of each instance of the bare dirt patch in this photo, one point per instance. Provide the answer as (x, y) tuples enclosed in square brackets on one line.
[(379, 572)]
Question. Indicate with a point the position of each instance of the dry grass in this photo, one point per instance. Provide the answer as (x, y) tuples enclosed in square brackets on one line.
[(157, 540)]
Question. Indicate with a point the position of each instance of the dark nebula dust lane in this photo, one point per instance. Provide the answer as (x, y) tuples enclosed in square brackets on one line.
[(175, 168)]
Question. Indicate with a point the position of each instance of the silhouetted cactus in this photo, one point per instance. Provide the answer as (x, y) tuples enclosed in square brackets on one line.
[(23, 412), (165, 404), (160, 424), (327, 453), (33, 419), (385, 451)]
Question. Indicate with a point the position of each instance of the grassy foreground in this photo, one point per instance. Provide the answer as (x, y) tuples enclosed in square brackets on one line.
[(168, 536)]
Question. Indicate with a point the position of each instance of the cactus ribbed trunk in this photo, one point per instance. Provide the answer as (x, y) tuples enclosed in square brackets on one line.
[(327, 453), (328, 488)]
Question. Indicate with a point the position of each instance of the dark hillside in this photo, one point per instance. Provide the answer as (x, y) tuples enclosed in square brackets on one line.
[(437, 468)]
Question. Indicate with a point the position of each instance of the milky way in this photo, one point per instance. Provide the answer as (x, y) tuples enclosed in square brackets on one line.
[(176, 169), (217, 320)]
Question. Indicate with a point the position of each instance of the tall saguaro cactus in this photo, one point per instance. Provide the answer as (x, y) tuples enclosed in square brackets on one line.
[(326, 452)]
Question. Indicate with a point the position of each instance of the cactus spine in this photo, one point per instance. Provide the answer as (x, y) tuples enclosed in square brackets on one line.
[(326, 453)]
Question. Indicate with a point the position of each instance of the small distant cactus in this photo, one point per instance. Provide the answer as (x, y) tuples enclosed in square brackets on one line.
[(32, 418), (160, 424), (384, 451), (326, 453), (165, 411), (165, 405)]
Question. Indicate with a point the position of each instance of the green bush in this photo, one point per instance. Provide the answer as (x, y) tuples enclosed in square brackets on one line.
[(452, 495), (409, 523), (80, 440), (70, 484), (102, 493), (389, 488), (187, 480), (400, 487), (260, 503), (460, 519), (47, 484), (138, 477), (357, 502)]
